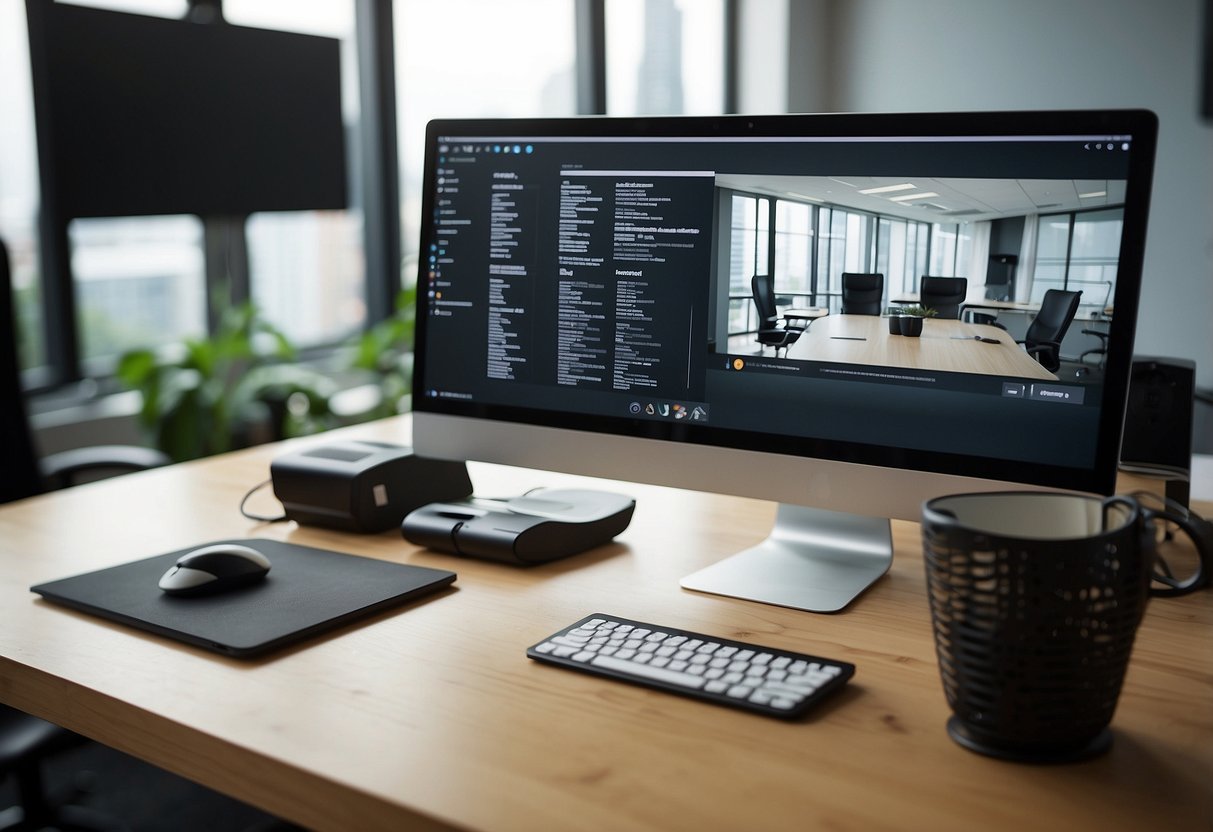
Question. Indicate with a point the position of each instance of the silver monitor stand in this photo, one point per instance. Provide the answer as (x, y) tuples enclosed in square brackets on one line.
[(813, 560)]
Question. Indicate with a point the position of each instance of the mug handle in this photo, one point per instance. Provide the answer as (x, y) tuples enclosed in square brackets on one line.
[(1200, 531)]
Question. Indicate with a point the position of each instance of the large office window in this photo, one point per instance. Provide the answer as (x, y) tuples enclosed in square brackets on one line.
[(19, 183), (665, 57), (146, 281), (794, 248), (960, 250), (1078, 251), (944, 238), (749, 254), (846, 244), (810, 247), (901, 253), (1094, 253), (320, 252), (309, 272), (475, 59), (140, 282)]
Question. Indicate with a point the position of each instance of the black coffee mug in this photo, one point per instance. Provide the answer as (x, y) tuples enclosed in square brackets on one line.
[(1035, 602)]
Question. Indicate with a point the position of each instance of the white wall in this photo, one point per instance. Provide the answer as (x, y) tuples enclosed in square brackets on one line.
[(902, 55)]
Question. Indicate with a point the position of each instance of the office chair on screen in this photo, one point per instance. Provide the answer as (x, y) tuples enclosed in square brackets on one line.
[(26, 740), (1048, 328), (770, 333), (1101, 334), (862, 293), (943, 294)]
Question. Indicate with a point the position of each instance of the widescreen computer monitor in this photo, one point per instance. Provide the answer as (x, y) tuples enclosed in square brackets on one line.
[(585, 304)]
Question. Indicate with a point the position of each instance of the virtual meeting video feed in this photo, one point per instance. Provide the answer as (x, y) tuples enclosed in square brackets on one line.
[(820, 256), (617, 281)]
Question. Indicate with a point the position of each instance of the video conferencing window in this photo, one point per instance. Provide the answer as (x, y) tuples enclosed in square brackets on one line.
[(615, 281)]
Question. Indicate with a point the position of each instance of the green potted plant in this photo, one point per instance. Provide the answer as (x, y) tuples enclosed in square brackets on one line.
[(910, 322), (221, 392)]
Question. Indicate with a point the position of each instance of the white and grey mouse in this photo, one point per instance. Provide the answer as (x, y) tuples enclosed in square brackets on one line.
[(214, 569)]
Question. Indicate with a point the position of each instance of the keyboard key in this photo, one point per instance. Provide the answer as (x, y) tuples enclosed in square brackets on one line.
[(647, 671), (754, 677)]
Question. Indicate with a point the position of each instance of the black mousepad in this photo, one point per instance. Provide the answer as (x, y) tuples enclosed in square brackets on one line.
[(307, 591)]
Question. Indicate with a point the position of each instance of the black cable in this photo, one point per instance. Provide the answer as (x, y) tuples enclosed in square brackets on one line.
[(1198, 529), (259, 517)]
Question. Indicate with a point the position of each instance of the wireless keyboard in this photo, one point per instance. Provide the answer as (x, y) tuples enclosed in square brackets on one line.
[(762, 679)]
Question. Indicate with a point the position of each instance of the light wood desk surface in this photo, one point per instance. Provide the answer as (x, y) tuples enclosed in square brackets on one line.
[(945, 345), (432, 716)]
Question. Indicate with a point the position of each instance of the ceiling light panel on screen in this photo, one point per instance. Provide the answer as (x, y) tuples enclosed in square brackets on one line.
[(888, 189), (908, 197)]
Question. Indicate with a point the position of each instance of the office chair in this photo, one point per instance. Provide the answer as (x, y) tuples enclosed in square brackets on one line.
[(770, 333), (943, 294), (862, 293), (1048, 328), (24, 473), (1102, 349), (25, 740)]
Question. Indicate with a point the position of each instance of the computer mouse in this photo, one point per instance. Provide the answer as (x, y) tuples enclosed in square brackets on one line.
[(214, 569)]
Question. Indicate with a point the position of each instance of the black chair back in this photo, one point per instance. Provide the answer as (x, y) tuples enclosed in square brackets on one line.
[(763, 289), (1057, 310), (943, 294), (862, 293), (19, 477)]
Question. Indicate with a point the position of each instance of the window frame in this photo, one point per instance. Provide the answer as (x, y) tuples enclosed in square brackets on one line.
[(1072, 217)]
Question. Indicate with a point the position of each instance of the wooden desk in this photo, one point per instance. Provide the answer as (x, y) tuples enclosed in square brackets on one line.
[(865, 339), (432, 717)]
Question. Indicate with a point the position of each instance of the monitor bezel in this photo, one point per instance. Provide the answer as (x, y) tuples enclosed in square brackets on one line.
[(1100, 478)]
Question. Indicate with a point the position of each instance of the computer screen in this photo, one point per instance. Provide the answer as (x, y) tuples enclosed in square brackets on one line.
[(665, 300)]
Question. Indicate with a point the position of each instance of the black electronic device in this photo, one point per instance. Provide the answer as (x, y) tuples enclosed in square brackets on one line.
[(362, 486), (147, 115), (606, 340), (540, 526), (1157, 437)]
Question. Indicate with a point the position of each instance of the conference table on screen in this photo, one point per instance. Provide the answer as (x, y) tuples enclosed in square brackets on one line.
[(945, 345), (432, 717), (978, 303)]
